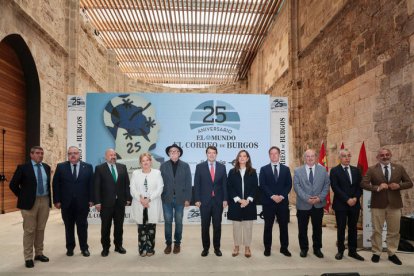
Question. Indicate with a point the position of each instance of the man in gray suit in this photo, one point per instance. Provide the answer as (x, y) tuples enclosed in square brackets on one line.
[(311, 184), (176, 194)]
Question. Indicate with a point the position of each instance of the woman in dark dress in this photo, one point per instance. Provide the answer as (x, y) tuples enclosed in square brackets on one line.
[(242, 185)]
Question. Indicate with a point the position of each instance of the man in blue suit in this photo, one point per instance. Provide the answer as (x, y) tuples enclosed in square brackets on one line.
[(275, 183), (345, 182), (210, 195), (73, 194), (311, 184)]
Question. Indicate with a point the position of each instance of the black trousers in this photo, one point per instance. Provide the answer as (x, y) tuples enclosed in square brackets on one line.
[(316, 216), (77, 215), (281, 212), (211, 212), (352, 216), (117, 214)]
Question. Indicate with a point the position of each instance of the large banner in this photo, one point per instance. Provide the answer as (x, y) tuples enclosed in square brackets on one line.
[(149, 122)]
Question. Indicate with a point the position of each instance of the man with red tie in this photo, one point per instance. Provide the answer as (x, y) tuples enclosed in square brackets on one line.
[(210, 195)]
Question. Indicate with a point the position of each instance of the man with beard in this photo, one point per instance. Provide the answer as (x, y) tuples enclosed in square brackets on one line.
[(385, 180)]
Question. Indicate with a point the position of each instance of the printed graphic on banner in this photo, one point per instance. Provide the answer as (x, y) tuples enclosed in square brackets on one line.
[(76, 124), (367, 229), (280, 126)]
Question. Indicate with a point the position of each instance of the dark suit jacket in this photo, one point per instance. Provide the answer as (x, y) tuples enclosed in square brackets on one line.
[(203, 185), (106, 190), (65, 187), (24, 185), (384, 198), (269, 186), (234, 189), (180, 184), (343, 189)]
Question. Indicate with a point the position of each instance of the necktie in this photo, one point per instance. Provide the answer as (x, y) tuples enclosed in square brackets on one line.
[(146, 185), (75, 175), (212, 177), (386, 173), (113, 172), (40, 189), (347, 174), (275, 174), (310, 176)]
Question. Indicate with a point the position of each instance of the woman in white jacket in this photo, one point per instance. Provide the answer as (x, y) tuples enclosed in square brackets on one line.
[(146, 188)]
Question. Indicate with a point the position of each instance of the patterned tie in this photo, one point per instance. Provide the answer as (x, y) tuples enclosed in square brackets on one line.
[(40, 189), (212, 177), (275, 174), (75, 175), (386, 173), (146, 185), (113, 172), (310, 176), (347, 174)]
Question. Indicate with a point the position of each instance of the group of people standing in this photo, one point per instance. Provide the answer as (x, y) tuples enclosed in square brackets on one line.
[(154, 194)]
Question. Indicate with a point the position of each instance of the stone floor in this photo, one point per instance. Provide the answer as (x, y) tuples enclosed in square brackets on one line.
[(189, 261)]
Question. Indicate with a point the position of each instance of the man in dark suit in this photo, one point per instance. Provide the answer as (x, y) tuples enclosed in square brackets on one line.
[(112, 194), (176, 194), (385, 180), (73, 193), (345, 182), (210, 195), (31, 185), (275, 182), (311, 184)]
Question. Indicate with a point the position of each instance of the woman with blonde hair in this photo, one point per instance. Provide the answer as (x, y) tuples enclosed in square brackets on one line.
[(146, 188)]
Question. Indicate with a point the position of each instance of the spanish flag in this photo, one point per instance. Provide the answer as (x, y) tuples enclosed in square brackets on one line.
[(322, 161)]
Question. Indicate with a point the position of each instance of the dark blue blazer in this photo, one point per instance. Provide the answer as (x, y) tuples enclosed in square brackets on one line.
[(106, 191), (234, 189), (65, 187), (24, 185), (269, 186), (203, 185), (343, 190)]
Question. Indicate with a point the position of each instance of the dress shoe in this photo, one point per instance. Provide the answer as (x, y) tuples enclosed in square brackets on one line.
[(177, 249), (285, 252), (356, 256), (167, 249), (339, 255), (395, 259), (86, 253), (266, 252), (150, 253), (318, 253), (41, 258), (235, 251), (375, 258), (105, 252), (218, 252), (120, 250), (29, 263), (247, 252), (303, 253), (69, 252), (204, 253)]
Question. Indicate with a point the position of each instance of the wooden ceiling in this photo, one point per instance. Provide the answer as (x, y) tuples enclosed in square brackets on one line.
[(183, 42)]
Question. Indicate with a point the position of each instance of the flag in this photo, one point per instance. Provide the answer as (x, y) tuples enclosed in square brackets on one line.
[(362, 160), (342, 145), (322, 161)]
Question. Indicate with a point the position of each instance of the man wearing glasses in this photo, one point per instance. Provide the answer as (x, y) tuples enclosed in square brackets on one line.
[(176, 195), (385, 180), (73, 194)]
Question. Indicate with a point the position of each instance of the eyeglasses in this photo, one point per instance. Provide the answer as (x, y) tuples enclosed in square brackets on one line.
[(385, 155), (73, 153)]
